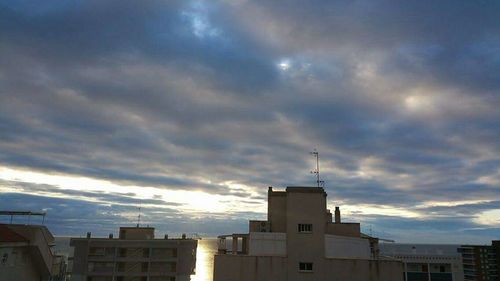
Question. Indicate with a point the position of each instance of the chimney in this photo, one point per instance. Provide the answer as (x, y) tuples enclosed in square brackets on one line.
[(89, 234), (110, 236), (337, 215)]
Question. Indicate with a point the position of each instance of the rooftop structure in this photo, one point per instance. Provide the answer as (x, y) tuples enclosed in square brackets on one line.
[(134, 255), (26, 254), (301, 241)]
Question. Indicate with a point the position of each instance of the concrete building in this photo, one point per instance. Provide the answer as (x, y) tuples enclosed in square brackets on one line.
[(427, 262), (135, 256), (481, 262), (26, 254), (299, 241), (432, 267)]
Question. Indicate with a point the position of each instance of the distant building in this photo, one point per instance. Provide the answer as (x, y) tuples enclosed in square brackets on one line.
[(299, 241), (135, 256), (427, 262), (481, 262), (26, 254)]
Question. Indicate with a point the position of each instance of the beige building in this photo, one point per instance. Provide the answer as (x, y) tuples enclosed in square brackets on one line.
[(26, 254), (432, 267), (135, 256), (299, 241)]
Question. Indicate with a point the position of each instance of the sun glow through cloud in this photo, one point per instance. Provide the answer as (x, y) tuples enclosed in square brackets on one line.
[(190, 201)]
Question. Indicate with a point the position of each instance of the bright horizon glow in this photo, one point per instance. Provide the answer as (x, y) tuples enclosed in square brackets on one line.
[(192, 201), (198, 202)]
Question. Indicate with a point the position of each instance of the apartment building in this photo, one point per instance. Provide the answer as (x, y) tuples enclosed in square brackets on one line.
[(427, 262), (26, 254), (300, 241), (481, 262), (135, 256), (432, 267)]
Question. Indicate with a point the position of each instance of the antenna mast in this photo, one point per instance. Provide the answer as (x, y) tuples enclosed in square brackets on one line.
[(139, 217), (315, 153)]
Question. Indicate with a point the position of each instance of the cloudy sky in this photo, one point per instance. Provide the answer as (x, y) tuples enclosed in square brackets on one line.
[(191, 109)]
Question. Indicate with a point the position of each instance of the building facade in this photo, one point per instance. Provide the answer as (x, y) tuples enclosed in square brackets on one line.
[(300, 241), (26, 254), (427, 262), (135, 256), (481, 262), (432, 267)]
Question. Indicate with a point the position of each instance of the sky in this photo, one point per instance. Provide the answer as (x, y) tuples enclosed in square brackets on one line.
[(186, 111)]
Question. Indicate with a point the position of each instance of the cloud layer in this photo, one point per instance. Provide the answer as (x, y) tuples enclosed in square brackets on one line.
[(224, 98)]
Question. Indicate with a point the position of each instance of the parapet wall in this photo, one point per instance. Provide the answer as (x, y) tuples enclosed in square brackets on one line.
[(249, 268), (253, 268), (363, 270)]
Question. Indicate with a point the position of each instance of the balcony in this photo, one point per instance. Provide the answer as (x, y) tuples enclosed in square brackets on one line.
[(253, 244)]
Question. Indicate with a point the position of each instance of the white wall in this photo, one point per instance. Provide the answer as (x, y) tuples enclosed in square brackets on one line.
[(346, 247), (267, 244)]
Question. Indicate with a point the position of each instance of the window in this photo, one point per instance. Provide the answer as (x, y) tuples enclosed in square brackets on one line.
[(5, 257), (96, 251), (305, 227), (306, 266)]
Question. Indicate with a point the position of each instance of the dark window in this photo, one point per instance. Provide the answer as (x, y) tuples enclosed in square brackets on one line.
[(122, 252), (305, 266), (442, 268), (305, 227)]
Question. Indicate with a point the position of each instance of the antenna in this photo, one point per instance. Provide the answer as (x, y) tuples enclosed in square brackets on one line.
[(319, 182), (139, 217)]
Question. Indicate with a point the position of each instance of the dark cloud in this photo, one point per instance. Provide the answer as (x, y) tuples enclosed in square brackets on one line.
[(400, 99)]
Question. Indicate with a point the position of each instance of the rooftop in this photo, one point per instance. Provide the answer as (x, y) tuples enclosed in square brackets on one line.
[(8, 235)]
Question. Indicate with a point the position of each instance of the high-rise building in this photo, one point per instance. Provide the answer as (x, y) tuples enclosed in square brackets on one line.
[(481, 262), (135, 256), (300, 241)]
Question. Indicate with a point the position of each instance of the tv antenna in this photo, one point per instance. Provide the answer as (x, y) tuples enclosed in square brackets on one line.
[(139, 217), (319, 182)]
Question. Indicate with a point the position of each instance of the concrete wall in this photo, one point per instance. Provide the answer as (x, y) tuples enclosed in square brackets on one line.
[(305, 205), (363, 270), (19, 265), (40, 242), (249, 268), (276, 210), (346, 247), (267, 244), (344, 229), (137, 233)]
